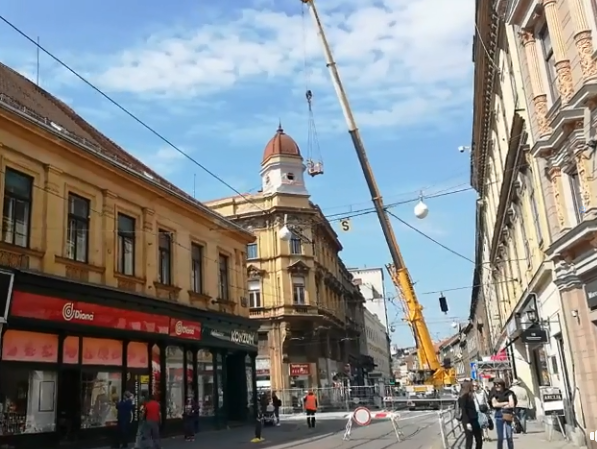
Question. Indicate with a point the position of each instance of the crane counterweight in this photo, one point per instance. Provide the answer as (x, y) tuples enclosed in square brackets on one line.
[(434, 373)]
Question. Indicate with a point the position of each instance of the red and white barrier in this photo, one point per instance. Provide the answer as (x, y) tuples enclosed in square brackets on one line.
[(362, 416)]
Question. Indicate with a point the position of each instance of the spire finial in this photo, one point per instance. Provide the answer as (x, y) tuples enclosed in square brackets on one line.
[(280, 130)]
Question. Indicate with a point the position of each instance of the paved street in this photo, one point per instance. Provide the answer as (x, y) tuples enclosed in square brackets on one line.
[(420, 431)]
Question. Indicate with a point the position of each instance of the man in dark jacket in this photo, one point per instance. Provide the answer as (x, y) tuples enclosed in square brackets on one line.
[(277, 403), (124, 415)]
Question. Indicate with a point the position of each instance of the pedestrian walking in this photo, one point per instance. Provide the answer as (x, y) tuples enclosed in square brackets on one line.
[(469, 416), (523, 404), (277, 403), (124, 420), (504, 403), (153, 419), (482, 402), (188, 419), (310, 404)]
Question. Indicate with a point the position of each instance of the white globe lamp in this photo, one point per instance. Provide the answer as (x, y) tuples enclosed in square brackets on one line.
[(421, 210), (454, 324), (285, 233)]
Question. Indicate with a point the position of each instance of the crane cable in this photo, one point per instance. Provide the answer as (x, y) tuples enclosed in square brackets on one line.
[(313, 148)]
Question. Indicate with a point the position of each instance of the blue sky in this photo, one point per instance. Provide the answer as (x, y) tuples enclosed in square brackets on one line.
[(216, 80)]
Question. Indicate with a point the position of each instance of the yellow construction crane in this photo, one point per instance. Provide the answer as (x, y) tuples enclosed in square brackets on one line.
[(430, 372)]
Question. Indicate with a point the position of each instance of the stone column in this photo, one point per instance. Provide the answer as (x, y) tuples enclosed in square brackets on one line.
[(555, 177), (583, 39), (584, 170), (539, 96), (563, 68)]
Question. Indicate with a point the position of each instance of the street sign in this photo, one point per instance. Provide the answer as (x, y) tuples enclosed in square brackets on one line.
[(474, 375), (552, 400), (534, 335)]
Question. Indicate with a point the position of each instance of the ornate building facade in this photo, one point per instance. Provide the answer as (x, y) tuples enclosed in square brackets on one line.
[(311, 314), (535, 66)]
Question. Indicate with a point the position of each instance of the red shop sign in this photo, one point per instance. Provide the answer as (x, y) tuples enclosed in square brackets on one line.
[(190, 330), (28, 305), (300, 369)]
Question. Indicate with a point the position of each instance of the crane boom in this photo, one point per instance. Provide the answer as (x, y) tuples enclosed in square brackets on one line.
[(398, 270)]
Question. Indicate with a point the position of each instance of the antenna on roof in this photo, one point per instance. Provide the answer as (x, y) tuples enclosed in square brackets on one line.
[(37, 62)]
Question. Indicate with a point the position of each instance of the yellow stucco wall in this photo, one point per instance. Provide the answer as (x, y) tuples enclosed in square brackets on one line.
[(59, 168)]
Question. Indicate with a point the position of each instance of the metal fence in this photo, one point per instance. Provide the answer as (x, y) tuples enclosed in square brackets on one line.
[(450, 428), (347, 398)]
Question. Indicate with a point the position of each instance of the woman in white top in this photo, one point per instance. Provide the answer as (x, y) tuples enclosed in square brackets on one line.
[(482, 404)]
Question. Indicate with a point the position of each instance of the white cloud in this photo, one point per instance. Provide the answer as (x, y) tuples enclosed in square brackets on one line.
[(401, 60)]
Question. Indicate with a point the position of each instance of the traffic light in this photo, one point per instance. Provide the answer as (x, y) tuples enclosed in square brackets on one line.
[(443, 304)]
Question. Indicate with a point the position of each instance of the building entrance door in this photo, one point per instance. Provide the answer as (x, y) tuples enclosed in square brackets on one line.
[(68, 403)]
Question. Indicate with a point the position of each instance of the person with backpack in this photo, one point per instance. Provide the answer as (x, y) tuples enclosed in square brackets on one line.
[(504, 403)]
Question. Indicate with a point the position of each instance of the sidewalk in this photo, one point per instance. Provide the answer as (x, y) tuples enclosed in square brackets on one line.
[(536, 435)]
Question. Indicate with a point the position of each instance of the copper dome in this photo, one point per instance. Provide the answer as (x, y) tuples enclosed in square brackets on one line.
[(281, 144)]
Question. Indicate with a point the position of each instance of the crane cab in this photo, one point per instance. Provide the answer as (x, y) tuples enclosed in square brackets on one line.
[(314, 168)]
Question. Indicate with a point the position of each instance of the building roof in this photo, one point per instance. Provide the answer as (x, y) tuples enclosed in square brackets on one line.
[(280, 145), (25, 97)]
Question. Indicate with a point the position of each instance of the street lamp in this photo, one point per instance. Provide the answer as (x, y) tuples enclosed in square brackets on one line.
[(532, 315), (421, 209)]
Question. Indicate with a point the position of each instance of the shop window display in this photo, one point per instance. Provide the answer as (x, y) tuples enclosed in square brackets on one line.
[(27, 401), (205, 382), (101, 392), (174, 382)]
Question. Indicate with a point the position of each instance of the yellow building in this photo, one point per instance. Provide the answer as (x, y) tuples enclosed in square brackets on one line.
[(113, 279), (299, 289)]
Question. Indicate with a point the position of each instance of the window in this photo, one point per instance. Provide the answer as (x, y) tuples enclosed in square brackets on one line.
[(575, 189), (197, 268), (126, 245), (16, 215), (550, 65), (298, 290), (534, 206), (28, 399), (255, 294), (296, 246), (523, 232), (539, 360), (252, 252), (290, 176), (165, 253), (175, 398), (77, 238), (205, 382), (101, 390), (223, 277)]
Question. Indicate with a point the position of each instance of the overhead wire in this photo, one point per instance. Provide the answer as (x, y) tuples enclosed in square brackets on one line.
[(159, 135)]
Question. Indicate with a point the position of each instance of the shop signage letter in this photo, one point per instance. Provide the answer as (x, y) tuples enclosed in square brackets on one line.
[(244, 338)]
